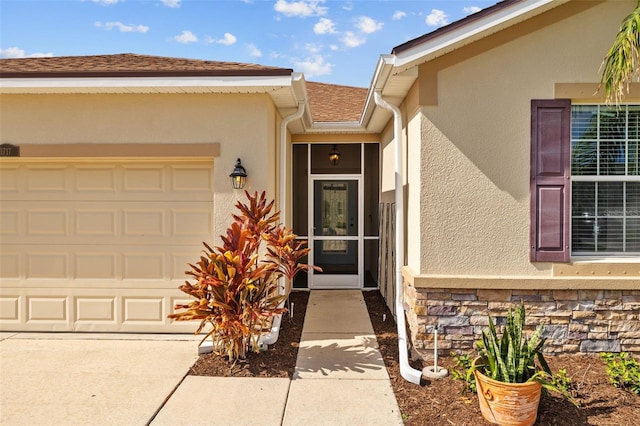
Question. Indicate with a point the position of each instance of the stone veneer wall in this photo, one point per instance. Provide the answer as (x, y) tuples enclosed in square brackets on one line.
[(575, 320)]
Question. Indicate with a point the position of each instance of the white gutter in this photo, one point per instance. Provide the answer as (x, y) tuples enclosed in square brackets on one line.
[(271, 337), (409, 373), (144, 82)]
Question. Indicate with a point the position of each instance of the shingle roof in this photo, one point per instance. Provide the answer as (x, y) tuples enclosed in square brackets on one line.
[(128, 65), (328, 102), (334, 103)]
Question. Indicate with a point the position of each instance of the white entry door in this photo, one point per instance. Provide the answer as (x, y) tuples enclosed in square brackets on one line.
[(336, 232)]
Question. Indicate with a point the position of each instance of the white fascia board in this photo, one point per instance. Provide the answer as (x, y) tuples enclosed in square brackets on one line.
[(382, 71), (124, 82), (380, 77), (298, 84), (462, 35)]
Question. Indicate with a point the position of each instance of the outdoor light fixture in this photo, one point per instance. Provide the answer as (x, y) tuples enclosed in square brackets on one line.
[(238, 176), (334, 155)]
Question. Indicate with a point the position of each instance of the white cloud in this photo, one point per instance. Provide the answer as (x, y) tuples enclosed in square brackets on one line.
[(302, 8), (313, 66), (123, 28), (368, 25), (254, 51), (12, 52), (228, 39), (334, 47), (16, 52), (41, 55), (471, 9), (398, 14), (107, 2), (324, 26), (351, 39), (186, 37), (171, 3), (348, 6), (437, 18)]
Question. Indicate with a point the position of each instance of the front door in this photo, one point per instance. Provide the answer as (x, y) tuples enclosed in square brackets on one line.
[(336, 232)]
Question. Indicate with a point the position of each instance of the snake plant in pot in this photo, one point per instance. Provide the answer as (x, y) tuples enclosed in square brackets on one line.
[(510, 372)]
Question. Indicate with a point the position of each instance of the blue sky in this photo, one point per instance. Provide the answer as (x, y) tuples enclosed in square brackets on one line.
[(332, 41)]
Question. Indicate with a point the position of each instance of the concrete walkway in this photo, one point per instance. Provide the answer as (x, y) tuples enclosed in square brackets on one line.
[(340, 377), (92, 379)]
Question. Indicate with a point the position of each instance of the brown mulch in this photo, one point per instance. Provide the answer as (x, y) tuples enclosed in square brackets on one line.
[(278, 361), (444, 401)]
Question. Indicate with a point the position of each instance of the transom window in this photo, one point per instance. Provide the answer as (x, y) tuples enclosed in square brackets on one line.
[(605, 175)]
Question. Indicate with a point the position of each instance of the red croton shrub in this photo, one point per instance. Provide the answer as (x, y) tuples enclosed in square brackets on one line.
[(237, 286)]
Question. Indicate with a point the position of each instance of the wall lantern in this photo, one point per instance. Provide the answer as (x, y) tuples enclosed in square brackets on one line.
[(334, 155), (238, 176)]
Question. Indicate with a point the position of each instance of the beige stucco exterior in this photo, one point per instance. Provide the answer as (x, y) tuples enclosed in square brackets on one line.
[(468, 149), (244, 126), (157, 167), (467, 130)]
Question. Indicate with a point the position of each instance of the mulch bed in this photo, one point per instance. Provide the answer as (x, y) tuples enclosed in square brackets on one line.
[(444, 401), (278, 361)]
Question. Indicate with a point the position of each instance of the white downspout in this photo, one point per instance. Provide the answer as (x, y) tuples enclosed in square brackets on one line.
[(271, 337), (409, 373)]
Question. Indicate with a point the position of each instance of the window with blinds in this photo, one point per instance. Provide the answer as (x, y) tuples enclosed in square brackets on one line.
[(605, 179)]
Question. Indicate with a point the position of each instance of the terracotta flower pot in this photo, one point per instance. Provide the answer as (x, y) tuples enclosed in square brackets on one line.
[(508, 403)]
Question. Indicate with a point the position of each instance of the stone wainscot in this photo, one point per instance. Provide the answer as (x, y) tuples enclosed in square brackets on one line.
[(575, 320)]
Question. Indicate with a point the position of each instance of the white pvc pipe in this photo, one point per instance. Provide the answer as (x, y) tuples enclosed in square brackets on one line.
[(435, 349), (283, 158), (409, 373), (271, 337)]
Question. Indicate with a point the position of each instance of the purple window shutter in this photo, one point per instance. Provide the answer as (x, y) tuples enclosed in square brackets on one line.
[(550, 180)]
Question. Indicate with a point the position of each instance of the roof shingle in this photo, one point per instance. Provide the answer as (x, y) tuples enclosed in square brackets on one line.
[(334, 103), (128, 64)]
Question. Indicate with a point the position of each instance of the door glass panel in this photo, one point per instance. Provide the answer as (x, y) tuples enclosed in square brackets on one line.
[(336, 208), (336, 256), (335, 216)]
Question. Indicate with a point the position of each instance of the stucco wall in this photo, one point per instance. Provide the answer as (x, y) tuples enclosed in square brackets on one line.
[(474, 140), (245, 126)]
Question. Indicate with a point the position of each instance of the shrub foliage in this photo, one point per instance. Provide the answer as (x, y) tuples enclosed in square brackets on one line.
[(623, 370), (237, 286)]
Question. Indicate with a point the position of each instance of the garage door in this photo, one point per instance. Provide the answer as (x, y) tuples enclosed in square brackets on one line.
[(92, 245)]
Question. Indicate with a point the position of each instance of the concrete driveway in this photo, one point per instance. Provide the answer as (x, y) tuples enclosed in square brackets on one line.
[(89, 379)]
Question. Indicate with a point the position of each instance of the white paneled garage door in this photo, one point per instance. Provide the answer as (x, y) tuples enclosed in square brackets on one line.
[(100, 245)]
